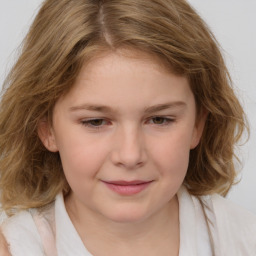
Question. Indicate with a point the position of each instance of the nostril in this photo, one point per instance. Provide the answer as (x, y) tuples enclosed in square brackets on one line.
[(129, 151), (128, 160)]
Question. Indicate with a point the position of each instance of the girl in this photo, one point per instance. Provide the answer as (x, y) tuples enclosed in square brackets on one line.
[(118, 127)]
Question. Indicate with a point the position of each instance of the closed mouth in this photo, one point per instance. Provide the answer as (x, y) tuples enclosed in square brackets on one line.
[(127, 183), (127, 188)]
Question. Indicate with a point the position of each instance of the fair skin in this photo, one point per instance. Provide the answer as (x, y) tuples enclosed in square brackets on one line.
[(124, 133), (4, 251)]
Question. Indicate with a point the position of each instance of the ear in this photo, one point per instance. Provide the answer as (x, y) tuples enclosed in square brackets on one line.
[(198, 129), (46, 135)]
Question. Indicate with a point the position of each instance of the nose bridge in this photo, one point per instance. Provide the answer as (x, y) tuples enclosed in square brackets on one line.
[(130, 148)]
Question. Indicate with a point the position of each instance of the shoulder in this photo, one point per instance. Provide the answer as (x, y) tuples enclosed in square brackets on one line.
[(4, 250), (236, 226), (238, 217), (21, 235)]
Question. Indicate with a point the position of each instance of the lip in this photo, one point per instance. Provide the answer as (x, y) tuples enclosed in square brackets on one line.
[(127, 188)]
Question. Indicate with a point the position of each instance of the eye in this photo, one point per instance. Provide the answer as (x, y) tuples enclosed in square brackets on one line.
[(161, 121), (95, 123)]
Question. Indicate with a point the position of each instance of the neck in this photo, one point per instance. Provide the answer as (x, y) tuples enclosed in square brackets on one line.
[(160, 230)]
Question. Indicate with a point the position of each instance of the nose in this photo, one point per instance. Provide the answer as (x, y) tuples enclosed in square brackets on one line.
[(129, 148)]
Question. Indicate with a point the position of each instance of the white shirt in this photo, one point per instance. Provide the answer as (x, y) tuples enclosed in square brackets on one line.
[(229, 230)]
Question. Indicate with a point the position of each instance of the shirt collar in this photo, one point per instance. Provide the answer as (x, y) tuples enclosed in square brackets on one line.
[(68, 242)]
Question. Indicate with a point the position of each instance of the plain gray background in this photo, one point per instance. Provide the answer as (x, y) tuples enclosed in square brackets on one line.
[(233, 23)]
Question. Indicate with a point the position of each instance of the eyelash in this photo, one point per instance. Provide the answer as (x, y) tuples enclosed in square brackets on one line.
[(88, 123), (167, 120)]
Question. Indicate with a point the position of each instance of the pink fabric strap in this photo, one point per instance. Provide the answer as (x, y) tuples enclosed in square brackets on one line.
[(46, 234)]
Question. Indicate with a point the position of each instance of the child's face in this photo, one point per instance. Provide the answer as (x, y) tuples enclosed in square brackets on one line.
[(125, 120)]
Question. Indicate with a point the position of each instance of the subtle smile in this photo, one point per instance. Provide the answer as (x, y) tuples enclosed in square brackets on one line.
[(127, 188)]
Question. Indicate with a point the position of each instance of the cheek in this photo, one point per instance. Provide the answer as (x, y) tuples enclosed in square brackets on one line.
[(170, 159), (171, 154), (81, 156)]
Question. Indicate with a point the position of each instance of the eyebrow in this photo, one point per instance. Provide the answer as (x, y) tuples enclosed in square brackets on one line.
[(160, 107), (96, 108), (149, 110)]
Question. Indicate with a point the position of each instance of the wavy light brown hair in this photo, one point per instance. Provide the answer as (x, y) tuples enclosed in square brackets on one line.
[(68, 33)]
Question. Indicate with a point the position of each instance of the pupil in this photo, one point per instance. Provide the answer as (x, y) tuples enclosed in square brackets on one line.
[(96, 122), (158, 120)]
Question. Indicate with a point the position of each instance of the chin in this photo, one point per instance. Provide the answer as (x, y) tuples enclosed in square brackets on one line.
[(127, 215)]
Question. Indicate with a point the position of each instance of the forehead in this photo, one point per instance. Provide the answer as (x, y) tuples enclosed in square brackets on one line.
[(102, 55), (126, 78)]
